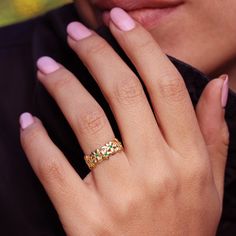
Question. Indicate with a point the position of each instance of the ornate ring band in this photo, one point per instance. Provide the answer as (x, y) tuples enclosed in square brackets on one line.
[(103, 153)]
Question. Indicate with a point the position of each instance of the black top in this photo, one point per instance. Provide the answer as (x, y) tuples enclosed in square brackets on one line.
[(25, 208)]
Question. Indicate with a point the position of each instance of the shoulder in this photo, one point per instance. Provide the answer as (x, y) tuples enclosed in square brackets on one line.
[(22, 33)]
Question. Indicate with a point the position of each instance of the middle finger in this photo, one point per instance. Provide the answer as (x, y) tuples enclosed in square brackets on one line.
[(121, 88), (168, 94)]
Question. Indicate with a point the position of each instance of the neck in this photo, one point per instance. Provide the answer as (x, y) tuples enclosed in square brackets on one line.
[(229, 69)]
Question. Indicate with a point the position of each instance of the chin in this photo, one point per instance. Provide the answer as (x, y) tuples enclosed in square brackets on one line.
[(186, 45)]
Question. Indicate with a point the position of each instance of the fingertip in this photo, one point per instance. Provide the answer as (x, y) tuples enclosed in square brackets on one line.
[(26, 120), (47, 65), (31, 131), (218, 89), (78, 31), (212, 92), (122, 19), (210, 110)]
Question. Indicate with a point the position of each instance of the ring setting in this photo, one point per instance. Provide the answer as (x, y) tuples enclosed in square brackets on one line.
[(103, 153)]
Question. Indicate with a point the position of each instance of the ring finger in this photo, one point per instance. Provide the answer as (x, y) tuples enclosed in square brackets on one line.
[(122, 90), (81, 110)]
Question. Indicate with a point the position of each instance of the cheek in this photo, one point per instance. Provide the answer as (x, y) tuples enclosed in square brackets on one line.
[(198, 31)]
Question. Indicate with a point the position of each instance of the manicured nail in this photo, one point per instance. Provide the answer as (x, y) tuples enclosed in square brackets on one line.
[(78, 31), (26, 119), (47, 65), (225, 90), (122, 19)]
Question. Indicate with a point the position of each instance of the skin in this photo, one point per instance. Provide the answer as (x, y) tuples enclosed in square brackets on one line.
[(169, 178), (199, 28)]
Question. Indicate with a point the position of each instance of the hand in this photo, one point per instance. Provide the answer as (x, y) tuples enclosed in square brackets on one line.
[(169, 178)]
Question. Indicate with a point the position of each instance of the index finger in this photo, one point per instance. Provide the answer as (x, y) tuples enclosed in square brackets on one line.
[(169, 96)]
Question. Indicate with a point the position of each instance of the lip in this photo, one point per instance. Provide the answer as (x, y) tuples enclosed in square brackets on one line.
[(148, 13), (147, 17), (150, 18), (131, 5)]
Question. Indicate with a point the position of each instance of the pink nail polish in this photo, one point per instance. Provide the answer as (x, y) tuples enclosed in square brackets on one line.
[(26, 119), (225, 90), (78, 31), (47, 65), (122, 19)]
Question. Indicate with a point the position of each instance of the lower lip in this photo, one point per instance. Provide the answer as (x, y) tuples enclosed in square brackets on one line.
[(149, 18)]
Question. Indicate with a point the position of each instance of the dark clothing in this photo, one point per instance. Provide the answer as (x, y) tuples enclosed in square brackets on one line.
[(25, 209)]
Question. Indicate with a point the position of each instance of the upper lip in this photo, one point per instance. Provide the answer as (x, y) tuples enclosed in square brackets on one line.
[(130, 5)]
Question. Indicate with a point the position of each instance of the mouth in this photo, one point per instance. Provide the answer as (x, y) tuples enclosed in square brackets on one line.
[(132, 5), (148, 13)]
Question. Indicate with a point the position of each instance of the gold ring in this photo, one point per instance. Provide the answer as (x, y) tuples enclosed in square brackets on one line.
[(103, 153)]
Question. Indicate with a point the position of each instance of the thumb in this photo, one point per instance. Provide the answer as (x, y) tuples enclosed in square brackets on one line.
[(210, 113)]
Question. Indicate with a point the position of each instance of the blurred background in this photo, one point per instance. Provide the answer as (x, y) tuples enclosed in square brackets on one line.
[(12, 11)]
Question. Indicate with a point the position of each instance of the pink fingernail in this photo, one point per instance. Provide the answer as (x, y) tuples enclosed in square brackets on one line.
[(122, 19), (26, 119), (78, 31), (225, 90), (47, 65)]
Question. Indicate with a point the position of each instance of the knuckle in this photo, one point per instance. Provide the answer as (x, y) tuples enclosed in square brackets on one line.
[(96, 46), (167, 185), (92, 122), (129, 91), (199, 173), (99, 225), (128, 202), (172, 87), (164, 184)]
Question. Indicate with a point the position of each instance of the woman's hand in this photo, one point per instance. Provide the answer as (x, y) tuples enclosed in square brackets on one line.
[(168, 180)]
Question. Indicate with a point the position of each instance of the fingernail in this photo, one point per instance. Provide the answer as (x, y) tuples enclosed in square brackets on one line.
[(78, 31), (122, 19), (26, 119), (47, 65), (225, 90)]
